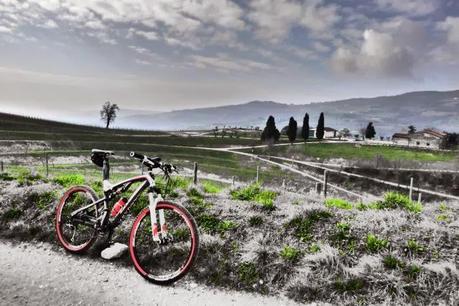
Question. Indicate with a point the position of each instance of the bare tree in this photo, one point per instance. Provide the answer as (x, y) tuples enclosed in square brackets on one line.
[(108, 113)]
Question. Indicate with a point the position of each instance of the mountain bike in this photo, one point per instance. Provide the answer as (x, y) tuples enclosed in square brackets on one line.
[(163, 241)]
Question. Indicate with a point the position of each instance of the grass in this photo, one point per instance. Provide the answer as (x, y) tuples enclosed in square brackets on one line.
[(414, 247), (314, 248), (350, 285), (211, 187), (212, 224), (352, 151), (247, 273), (302, 225), (290, 254), (67, 180), (254, 192), (43, 200), (375, 244), (394, 200), (392, 262), (338, 203), (256, 221), (12, 214)]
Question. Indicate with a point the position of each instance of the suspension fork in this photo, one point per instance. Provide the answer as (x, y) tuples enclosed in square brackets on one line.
[(159, 232)]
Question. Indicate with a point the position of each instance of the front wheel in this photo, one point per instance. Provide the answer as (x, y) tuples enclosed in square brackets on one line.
[(166, 262)]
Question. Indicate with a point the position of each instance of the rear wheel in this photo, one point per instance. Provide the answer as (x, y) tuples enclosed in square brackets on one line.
[(77, 233), (167, 262)]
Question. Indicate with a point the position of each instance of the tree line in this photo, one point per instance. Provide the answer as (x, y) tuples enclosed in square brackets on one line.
[(271, 134)]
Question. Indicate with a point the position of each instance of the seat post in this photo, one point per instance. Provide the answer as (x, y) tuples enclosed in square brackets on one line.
[(106, 169)]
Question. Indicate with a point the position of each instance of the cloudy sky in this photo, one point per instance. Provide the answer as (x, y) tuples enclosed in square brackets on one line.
[(69, 56)]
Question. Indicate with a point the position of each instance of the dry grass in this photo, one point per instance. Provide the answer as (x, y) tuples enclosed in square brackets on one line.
[(311, 252)]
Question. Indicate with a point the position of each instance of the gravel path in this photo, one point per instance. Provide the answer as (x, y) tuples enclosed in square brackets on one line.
[(35, 274)]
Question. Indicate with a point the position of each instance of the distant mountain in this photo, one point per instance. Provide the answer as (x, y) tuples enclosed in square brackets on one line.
[(389, 114)]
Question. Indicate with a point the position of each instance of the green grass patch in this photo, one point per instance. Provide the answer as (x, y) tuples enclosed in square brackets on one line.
[(392, 262), (248, 273), (393, 200), (290, 254), (256, 221), (350, 285), (414, 246), (338, 203), (412, 271), (211, 187), (358, 151), (43, 200), (212, 224), (12, 214), (5, 176), (313, 248), (302, 225), (375, 244), (254, 192), (68, 180)]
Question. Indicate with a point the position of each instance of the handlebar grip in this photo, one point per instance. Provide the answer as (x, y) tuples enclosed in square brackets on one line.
[(136, 155)]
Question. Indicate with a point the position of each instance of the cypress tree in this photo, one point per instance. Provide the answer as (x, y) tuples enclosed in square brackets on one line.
[(270, 132), (305, 128), (320, 127), (370, 131), (292, 129)]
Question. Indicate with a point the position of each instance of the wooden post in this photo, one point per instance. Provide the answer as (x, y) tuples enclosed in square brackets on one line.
[(258, 174), (325, 183), (318, 188), (411, 188), (46, 164), (195, 173), (419, 197), (283, 183), (232, 181), (1, 166)]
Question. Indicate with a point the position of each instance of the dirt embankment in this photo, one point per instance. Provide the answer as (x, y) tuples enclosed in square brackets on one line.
[(296, 246)]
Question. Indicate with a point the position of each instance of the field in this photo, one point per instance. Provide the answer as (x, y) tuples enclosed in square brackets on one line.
[(263, 238), (358, 152)]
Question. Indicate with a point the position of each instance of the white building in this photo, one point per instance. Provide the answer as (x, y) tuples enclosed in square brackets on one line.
[(427, 138)]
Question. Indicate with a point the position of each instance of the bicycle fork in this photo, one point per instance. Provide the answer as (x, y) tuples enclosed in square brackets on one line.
[(159, 232)]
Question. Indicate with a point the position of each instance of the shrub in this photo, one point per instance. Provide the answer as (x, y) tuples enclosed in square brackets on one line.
[(374, 244), (255, 221), (68, 180), (12, 214), (338, 203), (211, 187), (290, 254), (392, 262), (248, 274)]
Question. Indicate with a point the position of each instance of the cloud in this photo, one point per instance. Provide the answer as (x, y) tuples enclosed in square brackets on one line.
[(447, 51), (379, 54), (274, 19), (409, 7), (223, 63)]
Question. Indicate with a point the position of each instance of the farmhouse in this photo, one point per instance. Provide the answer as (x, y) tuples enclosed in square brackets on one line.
[(328, 132), (427, 138)]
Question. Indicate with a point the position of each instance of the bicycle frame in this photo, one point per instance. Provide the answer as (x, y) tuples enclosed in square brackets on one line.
[(103, 222)]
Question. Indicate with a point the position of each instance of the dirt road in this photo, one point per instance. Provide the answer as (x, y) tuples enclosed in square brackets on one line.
[(32, 274)]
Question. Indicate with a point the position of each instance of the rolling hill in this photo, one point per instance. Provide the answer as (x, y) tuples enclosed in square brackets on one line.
[(389, 114)]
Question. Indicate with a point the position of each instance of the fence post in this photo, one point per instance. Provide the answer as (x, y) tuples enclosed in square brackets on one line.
[(411, 188), (283, 183), (1, 166), (318, 188), (419, 197), (258, 174), (46, 164), (325, 183), (195, 173), (232, 181)]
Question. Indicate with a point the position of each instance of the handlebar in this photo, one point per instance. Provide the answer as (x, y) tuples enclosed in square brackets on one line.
[(154, 162)]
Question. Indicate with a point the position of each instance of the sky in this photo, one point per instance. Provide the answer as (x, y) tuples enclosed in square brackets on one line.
[(62, 58)]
